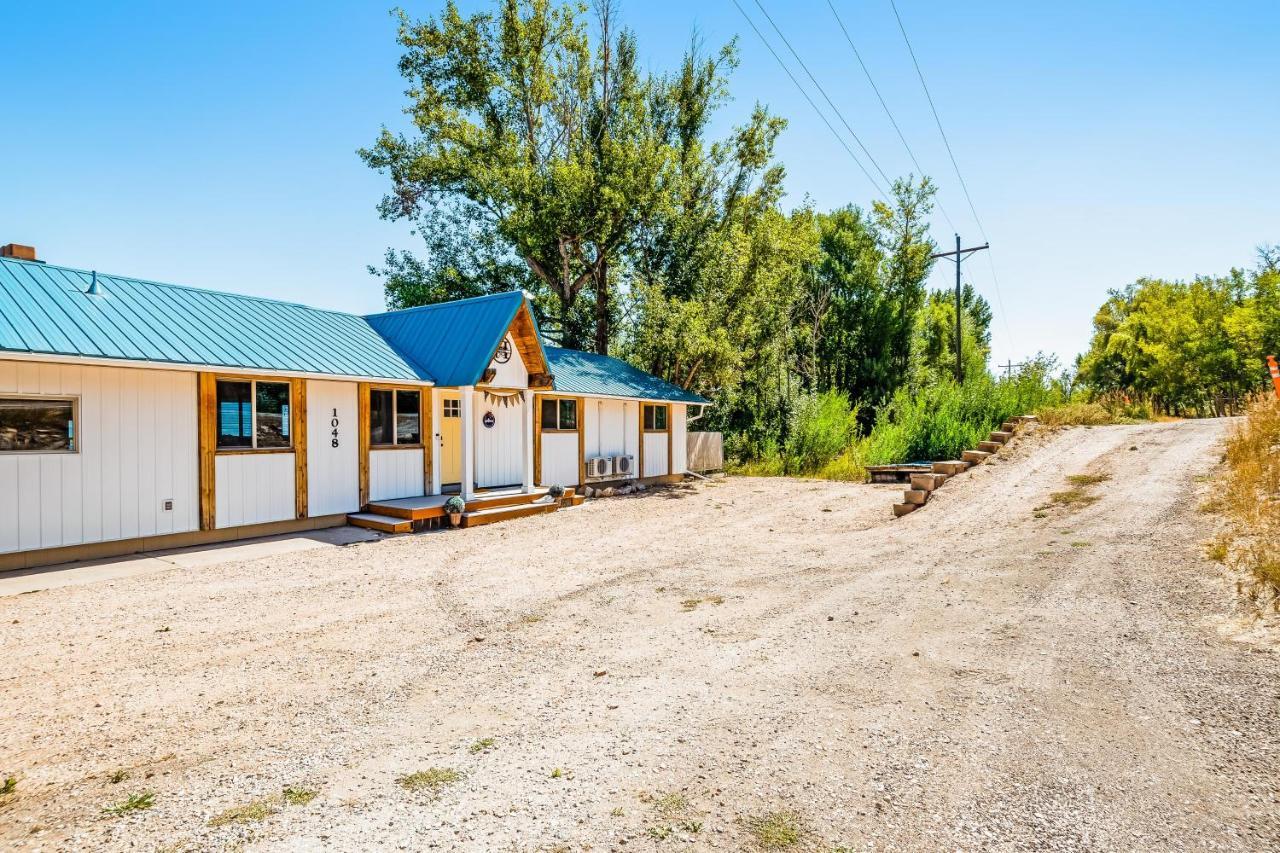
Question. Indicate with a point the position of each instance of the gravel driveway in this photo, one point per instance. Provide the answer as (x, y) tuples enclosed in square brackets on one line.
[(729, 666)]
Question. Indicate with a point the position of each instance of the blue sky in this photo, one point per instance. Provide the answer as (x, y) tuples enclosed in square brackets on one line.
[(215, 146)]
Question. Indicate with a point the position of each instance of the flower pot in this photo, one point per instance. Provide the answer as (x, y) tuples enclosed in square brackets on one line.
[(455, 518)]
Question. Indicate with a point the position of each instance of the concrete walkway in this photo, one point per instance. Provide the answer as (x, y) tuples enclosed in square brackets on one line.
[(195, 557)]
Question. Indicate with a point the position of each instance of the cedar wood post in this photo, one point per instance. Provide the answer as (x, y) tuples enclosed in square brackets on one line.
[(207, 423), (298, 425)]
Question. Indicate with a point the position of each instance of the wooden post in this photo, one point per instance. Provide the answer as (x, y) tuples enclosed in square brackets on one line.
[(362, 440), (467, 408), (527, 445), (582, 440), (427, 415), (207, 423), (537, 439), (298, 427)]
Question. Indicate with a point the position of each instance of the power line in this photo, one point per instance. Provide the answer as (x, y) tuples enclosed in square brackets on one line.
[(816, 109), (887, 111), (831, 103), (972, 209)]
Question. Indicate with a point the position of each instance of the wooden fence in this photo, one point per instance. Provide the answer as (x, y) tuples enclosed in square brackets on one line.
[(706, 451)]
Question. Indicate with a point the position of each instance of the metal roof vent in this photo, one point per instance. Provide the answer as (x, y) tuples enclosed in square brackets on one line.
[(94, 289)]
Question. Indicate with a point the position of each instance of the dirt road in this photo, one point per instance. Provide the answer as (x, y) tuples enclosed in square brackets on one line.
[(723, 667)]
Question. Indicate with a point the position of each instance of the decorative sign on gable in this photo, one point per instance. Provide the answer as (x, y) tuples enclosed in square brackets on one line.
[(503, 355)]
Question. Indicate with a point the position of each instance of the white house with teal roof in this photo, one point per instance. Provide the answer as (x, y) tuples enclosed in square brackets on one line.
[(136, 415)]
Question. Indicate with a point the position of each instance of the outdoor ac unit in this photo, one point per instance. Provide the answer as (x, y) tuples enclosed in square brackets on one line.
[(624, 466), (600, 466)]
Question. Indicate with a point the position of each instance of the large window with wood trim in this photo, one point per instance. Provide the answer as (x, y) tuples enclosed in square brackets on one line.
[(559, 414), (655, 417), (395, 417), (254, 415), (38, 425)]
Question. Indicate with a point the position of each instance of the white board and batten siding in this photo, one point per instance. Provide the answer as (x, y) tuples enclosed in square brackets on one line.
[(254, 488), (560, 458), (333, 448), (395, 474), (610, 428), (679, 438), (512, 373), (499, 448), (136, 448)]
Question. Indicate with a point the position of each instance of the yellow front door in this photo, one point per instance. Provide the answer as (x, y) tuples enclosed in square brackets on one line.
[(451, 440)]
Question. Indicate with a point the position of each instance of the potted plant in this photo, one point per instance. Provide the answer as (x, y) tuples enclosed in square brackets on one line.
[(556, 491), (455, 506)]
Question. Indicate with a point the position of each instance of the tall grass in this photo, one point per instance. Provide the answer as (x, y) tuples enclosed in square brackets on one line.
[(1250, 498)]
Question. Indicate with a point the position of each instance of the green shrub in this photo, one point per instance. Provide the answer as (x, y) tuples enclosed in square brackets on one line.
[(823, 426)]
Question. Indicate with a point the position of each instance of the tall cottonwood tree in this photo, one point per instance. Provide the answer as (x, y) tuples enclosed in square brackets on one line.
[(546, 141)]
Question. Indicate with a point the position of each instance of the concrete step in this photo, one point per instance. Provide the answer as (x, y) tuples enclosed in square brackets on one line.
[(504, 513), (950, 467), (381, 523), (919, 497), (973, 457), (900, 510), (927, 482), (989, 447), (1000, 436)]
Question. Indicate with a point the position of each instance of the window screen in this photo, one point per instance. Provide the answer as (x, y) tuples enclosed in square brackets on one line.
[(36, 425)]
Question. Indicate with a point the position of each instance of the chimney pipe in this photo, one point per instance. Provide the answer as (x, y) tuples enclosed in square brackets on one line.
[(94, 290), (19, 251)]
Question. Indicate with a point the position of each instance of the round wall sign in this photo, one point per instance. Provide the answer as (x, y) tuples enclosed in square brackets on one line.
[(503, 355), (489, 420)]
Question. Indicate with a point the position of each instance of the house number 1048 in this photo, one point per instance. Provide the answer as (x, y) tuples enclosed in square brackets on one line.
[(334, 423)]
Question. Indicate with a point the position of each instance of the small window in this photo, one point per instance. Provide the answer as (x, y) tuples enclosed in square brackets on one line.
[(37, 425), (395, 417), (559, 414), (452, 408), (253, 415), (655, 418)]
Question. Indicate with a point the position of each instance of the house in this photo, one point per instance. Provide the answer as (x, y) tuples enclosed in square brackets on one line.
[(136, 415)]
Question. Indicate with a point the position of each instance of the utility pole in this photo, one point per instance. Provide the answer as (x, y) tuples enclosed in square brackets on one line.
[(959, 255)]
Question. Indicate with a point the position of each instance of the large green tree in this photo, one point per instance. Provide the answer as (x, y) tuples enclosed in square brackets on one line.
[(544, 140)]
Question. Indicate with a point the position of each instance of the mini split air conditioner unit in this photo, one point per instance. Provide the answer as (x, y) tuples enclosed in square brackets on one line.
[(624, 466), (600, 466)]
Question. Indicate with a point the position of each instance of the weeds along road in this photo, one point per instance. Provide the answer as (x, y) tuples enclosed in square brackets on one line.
[(704, 668)]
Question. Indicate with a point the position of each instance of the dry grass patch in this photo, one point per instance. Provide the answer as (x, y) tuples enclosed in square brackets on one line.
[(777, 830), (258, 810), (433, 779), (1087, 479), (132, 803), (1074, 497), (1249, 497)]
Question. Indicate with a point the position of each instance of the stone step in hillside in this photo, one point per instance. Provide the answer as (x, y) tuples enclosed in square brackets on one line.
[(950, 467), (1009, 426), (989, 447), (973, 457), (900, 510), (1000, 436), (919, 497), (927, 482), (1029, 419)]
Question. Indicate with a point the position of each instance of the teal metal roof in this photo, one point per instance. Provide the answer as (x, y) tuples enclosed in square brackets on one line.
[(453, 342), (46, 309), (588, 373)]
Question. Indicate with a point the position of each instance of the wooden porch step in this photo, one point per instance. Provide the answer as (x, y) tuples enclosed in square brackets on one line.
[(480, 502), (405, 509), (989, 447), (475, 518), (379, 522)]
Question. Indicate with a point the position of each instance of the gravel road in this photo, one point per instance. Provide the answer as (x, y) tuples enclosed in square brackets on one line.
[(716, 667)]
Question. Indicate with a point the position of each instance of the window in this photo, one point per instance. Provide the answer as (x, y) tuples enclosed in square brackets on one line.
[(452, 408), (37, 425), (253, 415), (559, 414), (395, 417), (655, 418)]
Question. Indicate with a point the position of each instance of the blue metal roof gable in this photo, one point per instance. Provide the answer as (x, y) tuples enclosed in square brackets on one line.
[(453, 342), (589, 373), (45, 309)]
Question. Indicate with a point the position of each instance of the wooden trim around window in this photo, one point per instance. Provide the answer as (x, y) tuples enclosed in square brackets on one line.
[(207, 428), (537, 439), (253, 407), (362, 440), (582, 440), (298, 429)]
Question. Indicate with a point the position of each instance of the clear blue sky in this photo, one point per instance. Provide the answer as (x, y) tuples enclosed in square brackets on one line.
[(214, 144)]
